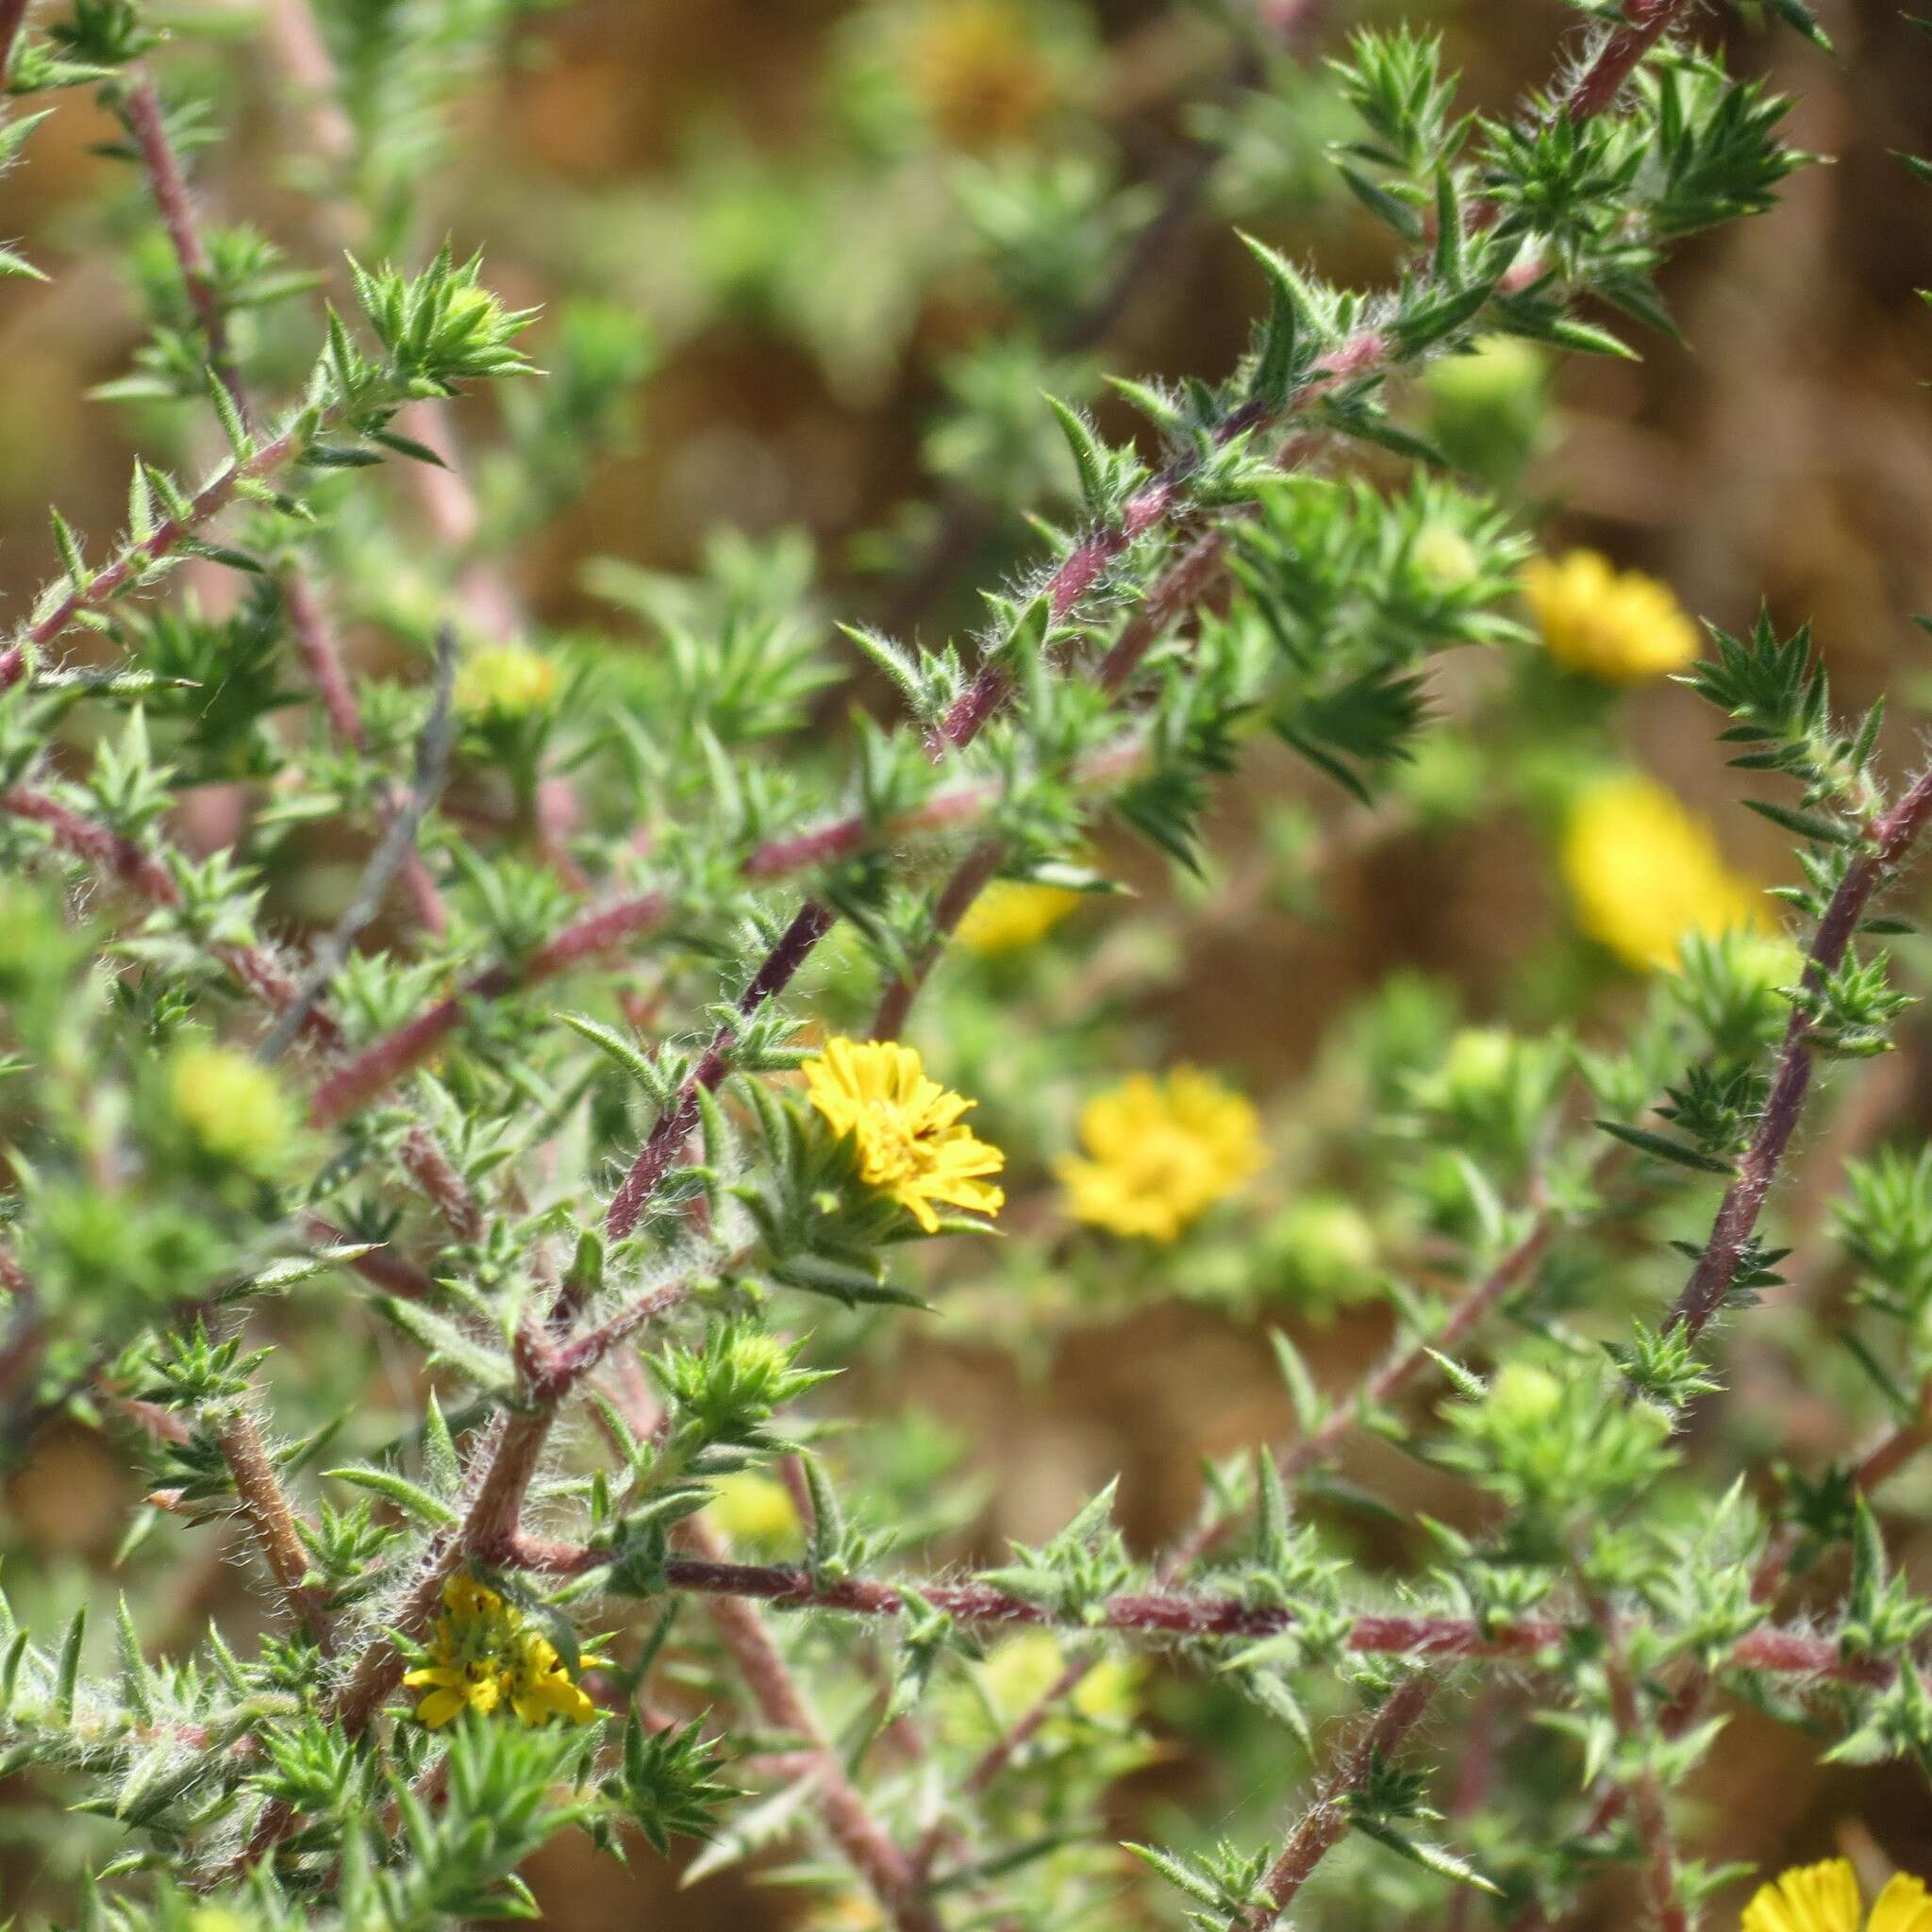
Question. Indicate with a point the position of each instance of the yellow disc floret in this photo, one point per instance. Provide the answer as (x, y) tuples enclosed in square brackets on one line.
[(505, 681), (1642, 873), (911, 1140), (1617, 625), (486, 1656), (1160, 1153)]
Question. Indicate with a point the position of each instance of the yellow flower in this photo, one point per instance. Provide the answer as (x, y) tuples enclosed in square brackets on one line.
[(1012, 914), (752, 1508), (911, 1144), (977, 70), (505, 681), (1824, 1898), (1620, 627), (233, 1109), (1642, 873), (486, 1653), (1160, 1153)]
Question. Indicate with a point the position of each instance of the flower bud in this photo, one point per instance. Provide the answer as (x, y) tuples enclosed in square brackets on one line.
[(232, 1109)]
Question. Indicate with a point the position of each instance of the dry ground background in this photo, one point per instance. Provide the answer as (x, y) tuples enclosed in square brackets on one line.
[(1788, 451)]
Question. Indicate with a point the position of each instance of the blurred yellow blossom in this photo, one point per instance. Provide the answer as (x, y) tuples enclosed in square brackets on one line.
[(752, 1508), (505, 681), (1012, 914), (1019, 1671), (1642, 873), (1824, 1898), (1159, 1153), (234, 1109), (911, 1144), (1617, 625), (978, 71), (485, 1654)]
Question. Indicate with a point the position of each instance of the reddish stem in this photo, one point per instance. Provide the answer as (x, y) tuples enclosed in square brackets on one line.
[(1644, 1794), (12, 15), (666, 1142), (1410, 1361), (781, 1702), (1737, 1212), (141, 108), (1325, 1823), (1645, 23), (146, 875)]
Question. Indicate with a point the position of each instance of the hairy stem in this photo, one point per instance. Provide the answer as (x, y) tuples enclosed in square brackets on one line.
[(1738, 1213), (266, 1505), (1408, 1363), (1661, 1865), (141, 107), (1325, 1823), (782, 1703), (358, 1081), (1161, 1614), (661, 1150)]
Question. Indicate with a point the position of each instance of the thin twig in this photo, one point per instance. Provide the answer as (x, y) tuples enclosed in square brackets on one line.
[(140, 108), (782, 1703), (1411, 1358), (1182, 1614), (666, 1141), (1645, 1796), (398, 839)]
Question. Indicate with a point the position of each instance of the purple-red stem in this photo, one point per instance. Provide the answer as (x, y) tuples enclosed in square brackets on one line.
[(1410, 1360), (1325, 1823), (655, 1157), (1184, 1614), (894, 1879), (146, 875), (13, 16), (1642, 1791), (377, 1067), (141, 108), (1645, 23), (1737, 1212)]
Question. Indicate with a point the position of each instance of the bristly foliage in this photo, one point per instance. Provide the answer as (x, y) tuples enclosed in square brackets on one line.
[(516, 1317)]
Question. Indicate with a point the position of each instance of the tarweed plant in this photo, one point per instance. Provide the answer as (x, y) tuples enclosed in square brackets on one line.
[(494, 1235)]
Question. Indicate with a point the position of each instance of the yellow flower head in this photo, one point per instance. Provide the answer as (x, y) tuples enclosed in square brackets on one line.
[(1012, 914), (911, 1144), (1620, 627), (977, 70), (1160, 1153), (505, 681), (486, 1654), (232, 1108), (1824, 1898), (1642, 873)]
